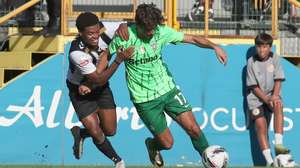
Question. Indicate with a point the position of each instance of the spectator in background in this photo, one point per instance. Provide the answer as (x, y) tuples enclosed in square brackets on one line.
[(292, 13), (264, 78), (54, 12), (240, 10), (198, 9), (27, 18), (210, 10)]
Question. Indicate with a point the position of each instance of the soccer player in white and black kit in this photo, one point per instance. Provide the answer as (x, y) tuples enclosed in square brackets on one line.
[(94, 105)]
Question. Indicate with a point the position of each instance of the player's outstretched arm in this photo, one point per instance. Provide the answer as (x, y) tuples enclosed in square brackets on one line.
[(204, 43), (86, 85), (101, 77)]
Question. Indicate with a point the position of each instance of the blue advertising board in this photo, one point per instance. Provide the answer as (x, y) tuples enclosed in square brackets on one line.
[(36, 114)]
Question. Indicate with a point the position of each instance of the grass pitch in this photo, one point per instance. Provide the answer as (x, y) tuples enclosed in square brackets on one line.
[(49, 166)]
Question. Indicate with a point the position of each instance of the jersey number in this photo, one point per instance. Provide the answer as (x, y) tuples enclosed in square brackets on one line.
[(180, 98)]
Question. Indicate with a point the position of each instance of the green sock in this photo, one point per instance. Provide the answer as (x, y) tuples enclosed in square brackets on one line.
[(200, 143)]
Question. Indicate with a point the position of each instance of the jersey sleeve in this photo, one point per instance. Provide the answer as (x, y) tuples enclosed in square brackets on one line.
[(250, 76), (279, 73), (111, 28), (101, 44), (170, 35), (82, 61)]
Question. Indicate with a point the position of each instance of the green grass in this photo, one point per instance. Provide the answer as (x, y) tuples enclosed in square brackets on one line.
[(34, 166), (75, 166)]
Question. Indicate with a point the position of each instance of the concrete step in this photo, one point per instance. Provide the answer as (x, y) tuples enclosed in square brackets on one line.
[(1, 77), (16, 60)]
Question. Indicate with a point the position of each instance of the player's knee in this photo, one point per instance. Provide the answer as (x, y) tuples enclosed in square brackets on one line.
[(110, 132), (93, 132), (96, 134), (99, 139), (278, 105)]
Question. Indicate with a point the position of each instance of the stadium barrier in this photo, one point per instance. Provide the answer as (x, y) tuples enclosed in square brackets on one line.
[(36, 114)]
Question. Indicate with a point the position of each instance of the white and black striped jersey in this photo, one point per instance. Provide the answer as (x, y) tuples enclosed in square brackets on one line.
[(83, 61)]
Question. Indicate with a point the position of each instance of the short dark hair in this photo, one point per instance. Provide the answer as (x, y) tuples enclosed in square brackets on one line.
[(86, 19), (263, 38), (148, 16)]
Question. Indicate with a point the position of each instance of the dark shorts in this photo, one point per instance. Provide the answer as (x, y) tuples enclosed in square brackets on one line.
[(84, 105), (260, 111)]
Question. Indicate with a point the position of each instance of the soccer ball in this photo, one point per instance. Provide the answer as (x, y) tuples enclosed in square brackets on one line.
[(284, 160), (215, 156)]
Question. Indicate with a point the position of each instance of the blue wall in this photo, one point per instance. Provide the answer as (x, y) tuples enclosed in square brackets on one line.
[(36, 115)]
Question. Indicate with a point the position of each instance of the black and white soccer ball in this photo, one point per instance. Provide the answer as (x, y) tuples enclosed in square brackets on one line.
[(284, 160), (215, 156)]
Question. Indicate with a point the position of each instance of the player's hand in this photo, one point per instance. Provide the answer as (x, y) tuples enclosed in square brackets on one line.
[(84, 90), (122, 31), (270, 104), (276, 100), (124, 54), (221, 55), (272, 101)]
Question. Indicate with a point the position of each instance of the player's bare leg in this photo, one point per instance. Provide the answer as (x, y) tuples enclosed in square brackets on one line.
[(262, 132), (188, 122), (162, 141), (278, 126), (108, 121), (92, 124), (108, 124), (262, 136)]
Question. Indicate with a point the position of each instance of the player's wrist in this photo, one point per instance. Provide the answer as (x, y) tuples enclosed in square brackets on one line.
[(117, 61)]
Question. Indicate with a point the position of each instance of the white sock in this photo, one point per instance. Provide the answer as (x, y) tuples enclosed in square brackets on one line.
[(201, 8), (268, 156), (278, 138)]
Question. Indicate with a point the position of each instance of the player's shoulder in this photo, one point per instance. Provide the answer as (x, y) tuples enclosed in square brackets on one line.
[(132, 31), (165, 28), (77, 45), (274, 56), (166, 32), (251, 60), (117, 40)]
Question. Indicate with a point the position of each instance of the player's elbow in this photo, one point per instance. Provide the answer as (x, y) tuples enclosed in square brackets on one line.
[(109, 133), (101, 81)]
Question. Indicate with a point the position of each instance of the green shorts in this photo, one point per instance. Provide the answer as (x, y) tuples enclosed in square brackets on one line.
[(152, 112)]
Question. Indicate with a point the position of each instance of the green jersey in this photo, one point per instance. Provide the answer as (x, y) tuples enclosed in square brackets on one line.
[(146, 74)]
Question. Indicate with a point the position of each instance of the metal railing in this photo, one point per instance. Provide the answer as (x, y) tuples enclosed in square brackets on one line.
[(227, 23), (295, 2), (228, 20), (18, 10), (112, 10), (239, 18)]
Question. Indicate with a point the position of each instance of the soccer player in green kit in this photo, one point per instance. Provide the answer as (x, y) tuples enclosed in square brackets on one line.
[(152, 89)]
